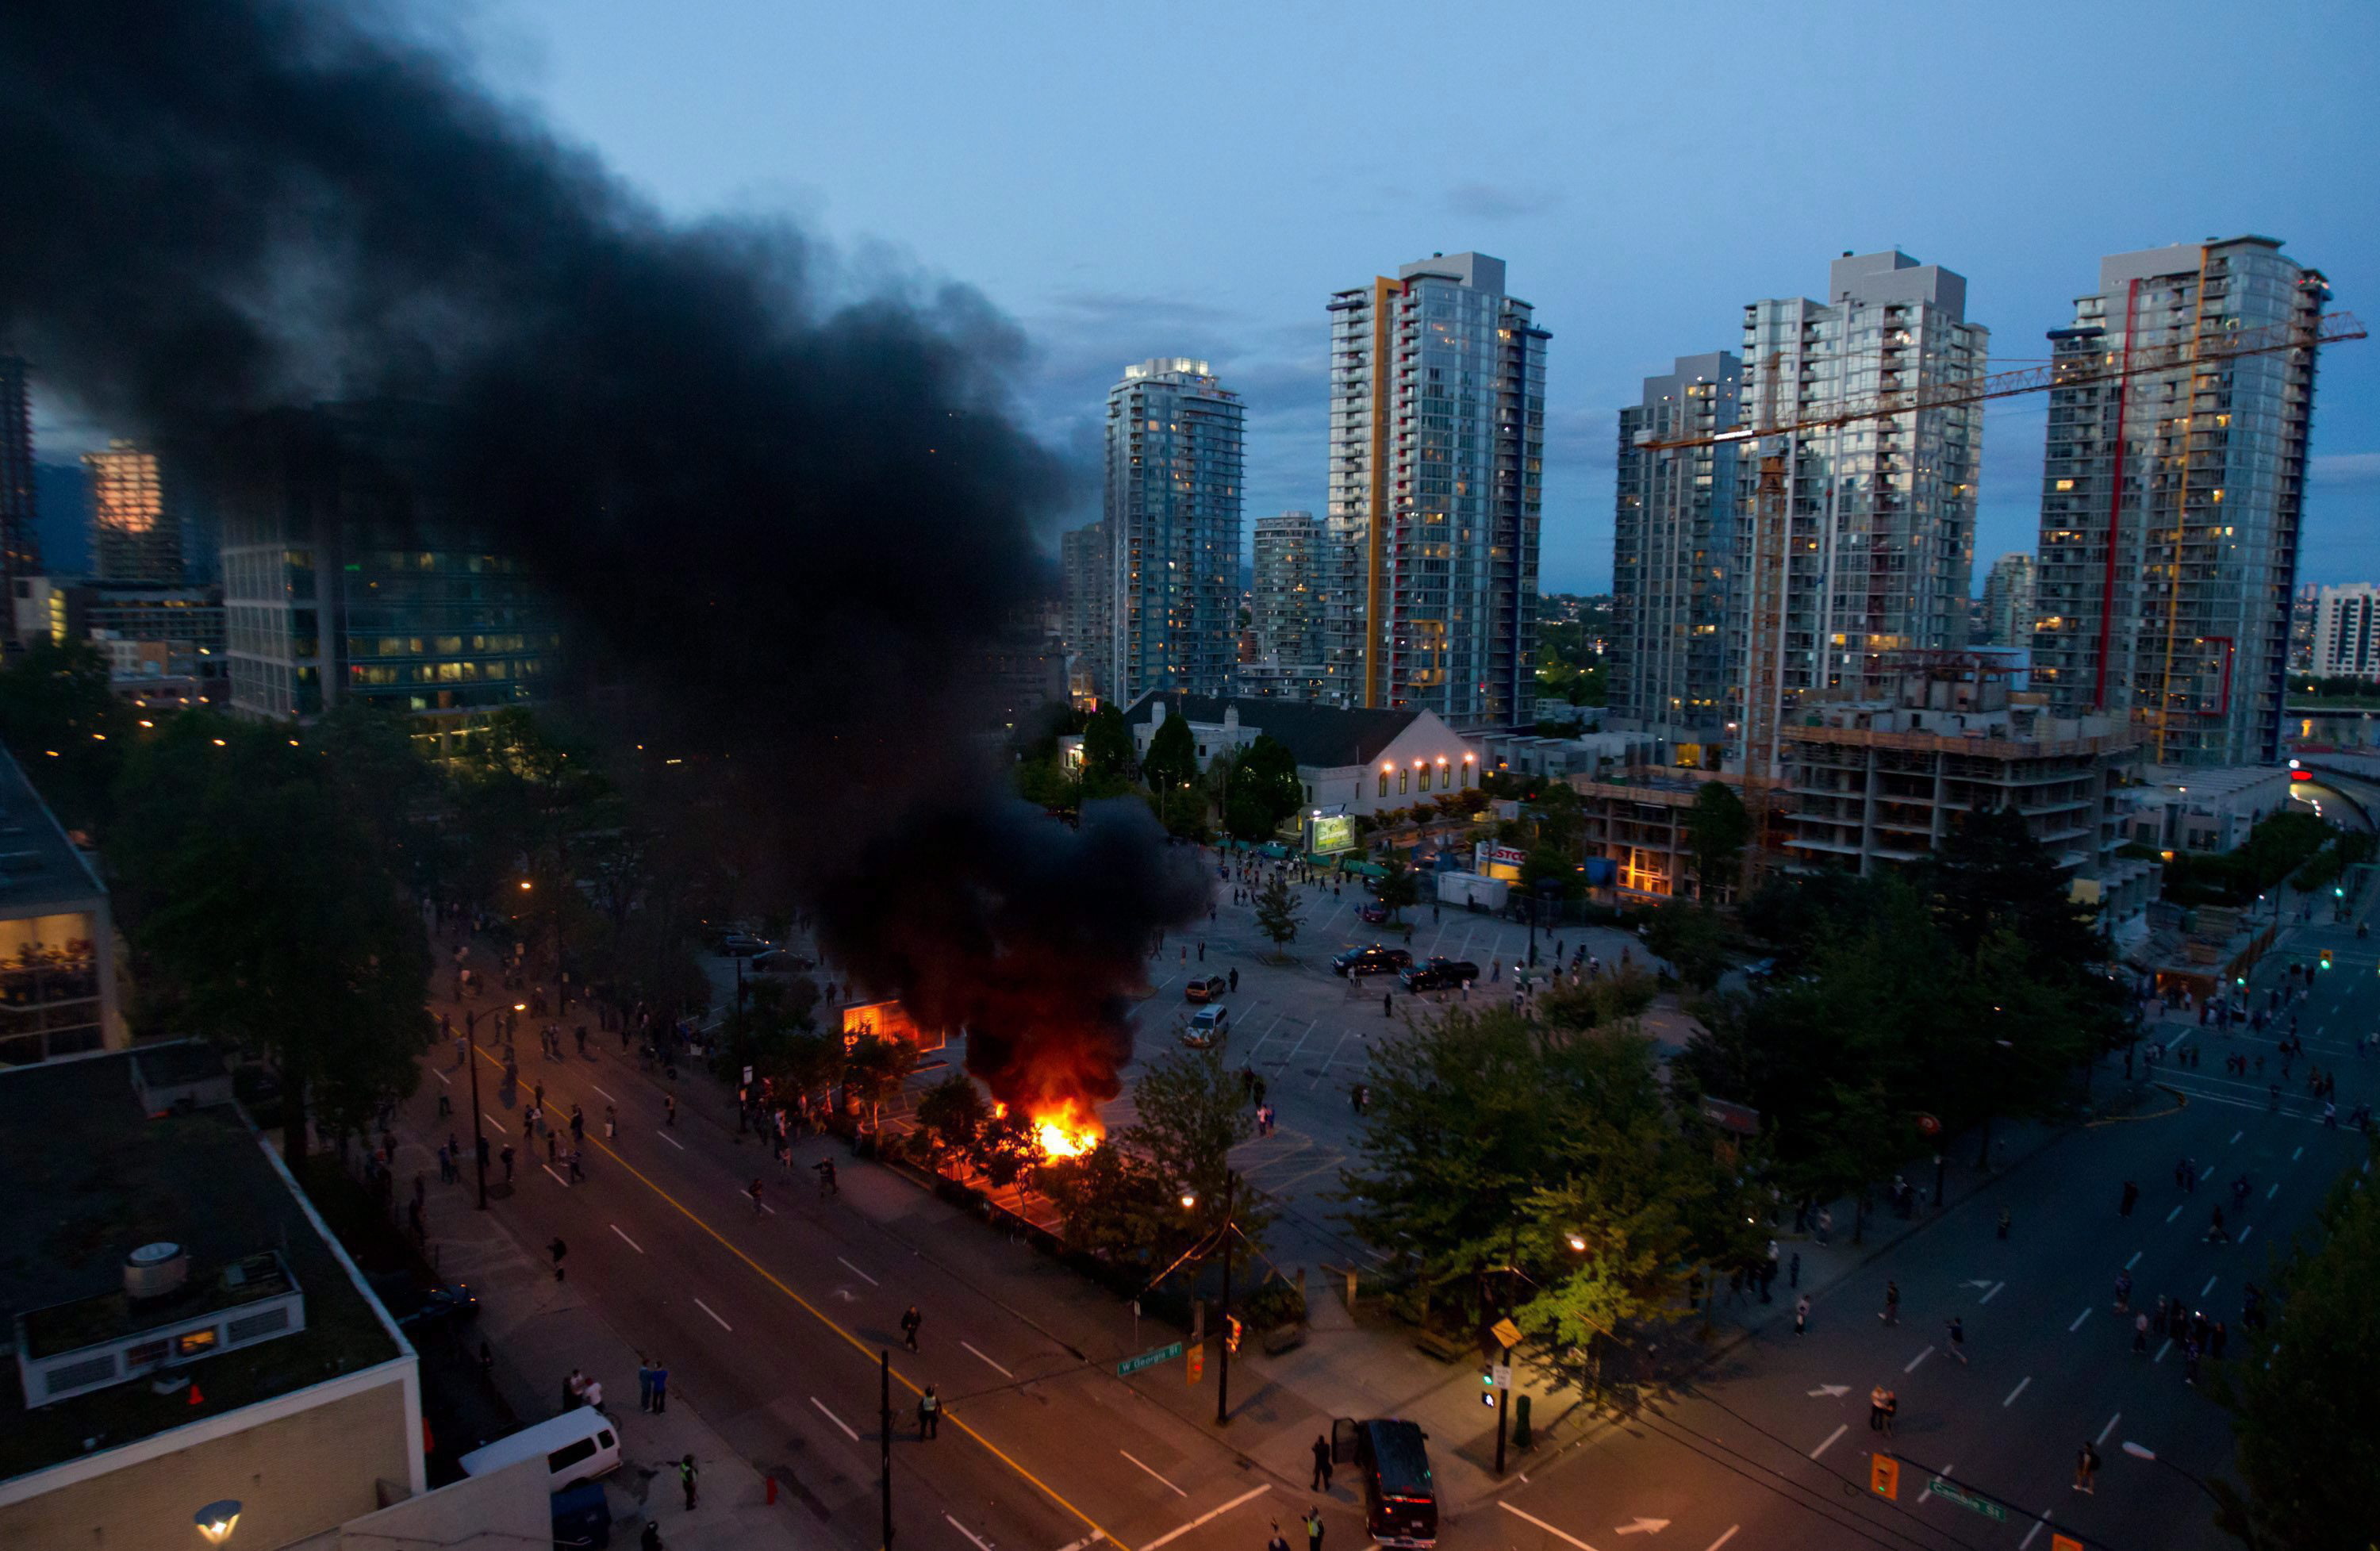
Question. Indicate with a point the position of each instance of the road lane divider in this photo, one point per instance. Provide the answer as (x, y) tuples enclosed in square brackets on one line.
[(714, 1315), (2079, 1319), (1250, 1495), (2014, 1393), (857, 1272), (1839, 1430), (1135, 1460), (833, 1418), (626, 1240), (1558, 1535)]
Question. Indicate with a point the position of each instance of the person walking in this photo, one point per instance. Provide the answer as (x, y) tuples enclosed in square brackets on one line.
[(1235, 978), (669, 1108), (2123, 1293), (2086, 1466), (1314, 1527), (1876, 1399), (1793, 1272), (1321, 1464), (753, 1190), (1275, 1542), (1826, 1224), (558, 1250), (1891, 1314), (610, 1122), (1801, 1314), (507, 1154), (644, 1382), (930, 1415), (827, 1186), (910, 1320), (2140, 1334), (1891, 1411), (689, 1477), (1387, 1000)]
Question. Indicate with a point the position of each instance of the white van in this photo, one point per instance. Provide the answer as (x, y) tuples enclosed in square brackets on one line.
[(578, 1446)]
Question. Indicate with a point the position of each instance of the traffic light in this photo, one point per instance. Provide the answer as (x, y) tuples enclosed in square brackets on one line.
[(1232, 1334), (1883, 1476), (2326, 958), (1487, 1387)]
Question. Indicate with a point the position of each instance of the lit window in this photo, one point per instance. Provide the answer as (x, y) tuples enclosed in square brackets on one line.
[(1384, 784), (1400, 783)]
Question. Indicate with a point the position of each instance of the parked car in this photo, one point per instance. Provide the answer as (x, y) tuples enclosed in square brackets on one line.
[(1206, 989), (1374, 959), (741, 945), (783, 961), (418, 1303), (1373, 912), (1206, 1027), (1436, 975)]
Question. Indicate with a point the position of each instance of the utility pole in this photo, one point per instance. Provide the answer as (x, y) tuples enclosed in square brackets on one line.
[(1223, 1352), (479, 1116), (885, 1437), (1504, 1393)]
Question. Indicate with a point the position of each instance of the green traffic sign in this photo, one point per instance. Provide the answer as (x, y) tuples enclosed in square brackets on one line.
[(1148, 1360), (1984, 1506)]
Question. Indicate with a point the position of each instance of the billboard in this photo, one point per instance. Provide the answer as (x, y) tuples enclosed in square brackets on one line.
[(1333, 832), (885, 1019)]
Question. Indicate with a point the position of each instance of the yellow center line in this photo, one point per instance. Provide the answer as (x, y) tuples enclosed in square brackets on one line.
[(854, 1342)]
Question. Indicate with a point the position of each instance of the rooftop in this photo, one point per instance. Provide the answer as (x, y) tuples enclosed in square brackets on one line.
[(1324, 737), (41, 870), (91, 1178)]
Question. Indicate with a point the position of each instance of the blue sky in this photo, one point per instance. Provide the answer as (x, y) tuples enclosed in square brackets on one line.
[(1128, 181)]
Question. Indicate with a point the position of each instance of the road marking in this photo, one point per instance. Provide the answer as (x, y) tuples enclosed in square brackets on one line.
[(557, 1179), (857, 1272), (1831, 1391), (1641, 1526), (1082, 1543), (1331, 1061), (2133, 1261), (2030, 1533), (833, 1418), (494, 1122), (598, 1088), (1006, 1373), (2107, 1429), (1942, 1475), (2234, 1141), (1839, 1432), (1993, 1293), (1125, 1452), (2162, 1349), (982, 1545), (2208, 1288), (2175, 1213), (1543, 1525), (2245, 1232), (1919, 1358), (866, 1351), (681, 1146), (2299, 1154), (1722, 1540), (2274, 1190), (1214, 1513), (626, 1240), (714, 1315), (2018, 1390), (2079, 1319), (442, 1076)]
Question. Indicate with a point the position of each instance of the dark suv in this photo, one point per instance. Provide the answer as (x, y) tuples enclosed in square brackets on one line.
[(1435, 975), (1374, 959)]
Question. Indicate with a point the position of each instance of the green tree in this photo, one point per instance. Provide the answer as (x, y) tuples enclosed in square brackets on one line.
[(269, 914), (1106, 746), (1277, 914), (1261, 788), (1717, 828), (1692, 938), (1171, 762), (1396, 888), (1192, 1113), (67, 727), (1113, 1205), (873, 1071), (951, 1120), (2300, 1392)]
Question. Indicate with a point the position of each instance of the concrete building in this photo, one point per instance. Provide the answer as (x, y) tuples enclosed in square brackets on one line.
[(349, 575), (1437, 448), (166, 642), (20, 539), (1881, 513), (2344, 645), (59, 993), (1174, 456), (134, 535), (1592, 754), (186, 1329), (2202, 808), (1350, 760), (2301, 613), (2172, 502), (1084, 626), (1639, 819), (1285, 604), (1676, 658), (2008, 602), (1873, 783)]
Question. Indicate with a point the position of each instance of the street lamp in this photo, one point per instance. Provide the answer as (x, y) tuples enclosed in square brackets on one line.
[(2143, 1451), (217, 1520)]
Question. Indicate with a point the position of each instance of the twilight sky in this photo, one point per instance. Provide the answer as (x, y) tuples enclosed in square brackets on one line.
[(1128, 181)]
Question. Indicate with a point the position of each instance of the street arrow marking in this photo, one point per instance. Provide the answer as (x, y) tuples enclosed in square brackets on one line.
[(1642, 1527), (1979, 1281), (1832, 1391)]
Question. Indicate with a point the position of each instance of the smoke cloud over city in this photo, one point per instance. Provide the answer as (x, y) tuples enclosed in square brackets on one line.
[(788, 508)]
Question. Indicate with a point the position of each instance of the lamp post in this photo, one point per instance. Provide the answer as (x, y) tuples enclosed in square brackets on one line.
[(217, 1520), (478, 1115), (1223, 1324), (2143, 1451)]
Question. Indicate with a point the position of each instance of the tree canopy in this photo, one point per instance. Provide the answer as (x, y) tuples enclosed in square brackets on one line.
[(1261, 788)]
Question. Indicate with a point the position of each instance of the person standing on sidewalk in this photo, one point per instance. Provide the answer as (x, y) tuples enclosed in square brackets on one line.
[(644, 1382), (1314, 1527), (2086, 1466), (661, 1387), (689, 1477), (2140, 1334), (1876, 1399), (558, 1250), (1321, 1464), (1891, 1314), (669, 1108)]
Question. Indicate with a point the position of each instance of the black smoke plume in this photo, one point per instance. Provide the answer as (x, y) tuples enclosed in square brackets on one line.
[(791, 507)]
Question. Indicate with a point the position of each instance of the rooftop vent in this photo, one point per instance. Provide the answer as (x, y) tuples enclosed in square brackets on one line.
[(153, 1270)]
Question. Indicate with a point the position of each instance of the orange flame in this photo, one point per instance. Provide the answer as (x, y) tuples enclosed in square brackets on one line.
[(1067, 1129)]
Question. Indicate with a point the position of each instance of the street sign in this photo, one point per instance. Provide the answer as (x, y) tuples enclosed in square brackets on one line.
[(1883, 1476), (1989, 1509), (1502, 1373), (1197, 1361), (1149, 1359), (1507, 1334), (2063, 1542)]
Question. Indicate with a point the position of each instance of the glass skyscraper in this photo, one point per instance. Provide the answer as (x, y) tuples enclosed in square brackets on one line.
[(1677, 645), (1172, 510)]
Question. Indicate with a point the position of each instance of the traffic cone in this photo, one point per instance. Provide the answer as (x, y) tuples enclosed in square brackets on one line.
[(195, 1398)]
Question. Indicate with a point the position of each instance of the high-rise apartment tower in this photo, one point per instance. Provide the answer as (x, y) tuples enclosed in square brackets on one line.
[(1676, 656), (1173, 513), (1286, 605), (133, 537), (1437, 448), (2008, 601), (21, 542), (2347, 631), (1084, 625), (2172, 502)]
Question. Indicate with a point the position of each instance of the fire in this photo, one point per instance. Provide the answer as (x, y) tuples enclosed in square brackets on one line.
[(1067, 1129)]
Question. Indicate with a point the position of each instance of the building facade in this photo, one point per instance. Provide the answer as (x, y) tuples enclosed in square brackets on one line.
[(21, 541), (349, 575), (2008, 601), (1083, 624), (1881, 513), (1285, 605), (2343, 641), (1173, 513), (1676, 658), (133, 537), (2172, 501), (1435, 486), (59, 993)]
